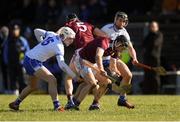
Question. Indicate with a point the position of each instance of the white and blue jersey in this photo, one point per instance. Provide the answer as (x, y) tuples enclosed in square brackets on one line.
[(50, 46), (113, 32)]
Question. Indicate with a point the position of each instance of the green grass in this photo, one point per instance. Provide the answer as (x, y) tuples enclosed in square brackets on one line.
[(39, 107)]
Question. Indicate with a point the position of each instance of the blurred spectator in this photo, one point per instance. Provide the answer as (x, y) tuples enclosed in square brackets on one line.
[(4, 33), (169, 6), (17, 46), (40, 12), (28, 34), (178, 6), (152, 45), (156, 8), (84, 12), (68, 6), (28, 10), (52, 11), (97, 11)]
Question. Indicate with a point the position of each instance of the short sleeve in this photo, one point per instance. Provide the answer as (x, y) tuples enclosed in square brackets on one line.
[(103, 43)]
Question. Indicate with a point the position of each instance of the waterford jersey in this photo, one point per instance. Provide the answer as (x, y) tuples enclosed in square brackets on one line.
[(114, 32), (50, 46)]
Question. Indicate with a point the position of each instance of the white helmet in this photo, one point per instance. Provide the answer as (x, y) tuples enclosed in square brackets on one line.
[(66, 32)]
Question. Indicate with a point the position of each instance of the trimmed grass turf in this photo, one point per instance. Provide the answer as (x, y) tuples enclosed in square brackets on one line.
[(39, 107)]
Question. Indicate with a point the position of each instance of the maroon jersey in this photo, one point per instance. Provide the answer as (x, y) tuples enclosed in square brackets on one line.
[(111, 52), (89, 51), (84, 32)]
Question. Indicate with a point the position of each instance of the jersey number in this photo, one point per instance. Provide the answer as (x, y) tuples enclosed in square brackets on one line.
[(81, 26), (47, 41)]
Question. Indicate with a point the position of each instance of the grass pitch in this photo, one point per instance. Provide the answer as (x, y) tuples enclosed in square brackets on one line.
[(39, 108)]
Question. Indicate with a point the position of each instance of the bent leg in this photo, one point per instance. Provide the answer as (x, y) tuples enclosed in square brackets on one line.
[(125, 84), (44, 74), (103, 83), (32, 86)]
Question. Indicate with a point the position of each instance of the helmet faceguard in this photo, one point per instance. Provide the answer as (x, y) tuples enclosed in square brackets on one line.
[(123, 16)]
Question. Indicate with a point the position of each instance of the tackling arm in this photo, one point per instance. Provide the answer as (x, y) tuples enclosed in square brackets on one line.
[(132, 53), (100, 33), (65, 67)]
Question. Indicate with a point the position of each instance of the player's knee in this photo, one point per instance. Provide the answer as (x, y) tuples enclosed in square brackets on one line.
[(52, 80), (128, 76)]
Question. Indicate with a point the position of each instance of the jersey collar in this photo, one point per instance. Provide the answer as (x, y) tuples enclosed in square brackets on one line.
[(116, 29)]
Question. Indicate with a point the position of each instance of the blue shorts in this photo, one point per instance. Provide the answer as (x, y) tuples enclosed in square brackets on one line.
[(106, 63), (31, 65)]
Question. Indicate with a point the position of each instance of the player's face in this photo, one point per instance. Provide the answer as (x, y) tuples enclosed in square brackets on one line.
[(120, 48), (120, 23), (68, 41)]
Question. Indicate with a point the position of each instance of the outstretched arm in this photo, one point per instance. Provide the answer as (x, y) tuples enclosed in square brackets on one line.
[(64, 66), (132, 53)]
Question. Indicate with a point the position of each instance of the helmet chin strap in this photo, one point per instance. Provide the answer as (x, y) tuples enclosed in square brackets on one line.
[(62, 38)]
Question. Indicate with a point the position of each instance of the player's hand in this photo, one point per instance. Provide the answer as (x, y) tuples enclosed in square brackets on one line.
[(134, 61), (115, 74), (104, 73)]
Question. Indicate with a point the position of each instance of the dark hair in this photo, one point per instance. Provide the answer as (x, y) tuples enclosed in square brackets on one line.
[(71, 16), (121, 41), (15, 24)]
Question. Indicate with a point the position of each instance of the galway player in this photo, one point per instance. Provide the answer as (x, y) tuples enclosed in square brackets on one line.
[(93, 52), (85, 33)]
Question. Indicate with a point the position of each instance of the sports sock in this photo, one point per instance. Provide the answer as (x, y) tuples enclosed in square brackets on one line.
[(56, 104), (122, 98), (18, 101), (76, 102), (70, 98)]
